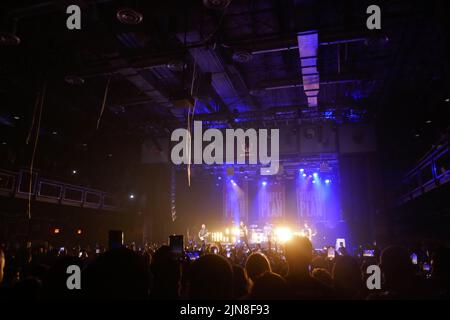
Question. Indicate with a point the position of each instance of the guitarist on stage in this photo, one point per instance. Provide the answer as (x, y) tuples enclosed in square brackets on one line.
[(243, 234), (203, 235), (308, 232)]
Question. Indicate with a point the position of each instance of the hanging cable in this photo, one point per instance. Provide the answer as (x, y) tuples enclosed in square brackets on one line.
[(190, 139), (35, 110), (36, 139), (188, 147), (104, 102), (194, 75), (189, 125)]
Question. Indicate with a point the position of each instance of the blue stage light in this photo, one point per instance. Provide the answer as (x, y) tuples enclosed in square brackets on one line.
[(327, 181), (302, 170), (219, 177), (315, 174), (314, 181), (264, 183), (304, 175)]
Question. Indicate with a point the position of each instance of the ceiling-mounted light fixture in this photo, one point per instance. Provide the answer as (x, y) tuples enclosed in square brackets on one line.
[(257, 92), (176, 65), (74, 80), (129, 16), (216, 4), (242, 56), (10, 38)]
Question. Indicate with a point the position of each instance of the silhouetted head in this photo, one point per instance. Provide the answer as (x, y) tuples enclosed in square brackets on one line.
[(347, 277), (162, 254), (241, 282), (117, 274), (29, 289), (55, 285), (396, 266), (269, 286), (319, 262), (298, 252), (166, 274), (211, 278), (257, 264), (323, 276)]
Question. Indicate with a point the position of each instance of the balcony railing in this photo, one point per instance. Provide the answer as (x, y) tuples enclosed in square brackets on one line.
[(17, 185), (432, 171)]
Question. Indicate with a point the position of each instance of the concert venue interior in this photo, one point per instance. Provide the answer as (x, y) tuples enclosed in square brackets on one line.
[(356, 121)]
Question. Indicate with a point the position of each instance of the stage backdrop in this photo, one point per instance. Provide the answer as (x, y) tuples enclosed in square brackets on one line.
[(285, 201), (235, 202), (271, 202), (252, 202), (311, 203)]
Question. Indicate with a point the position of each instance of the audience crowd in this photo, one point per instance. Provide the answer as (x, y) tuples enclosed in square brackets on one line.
[(294, 272)]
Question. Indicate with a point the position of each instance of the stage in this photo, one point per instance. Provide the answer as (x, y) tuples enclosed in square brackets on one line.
[(304, 199)]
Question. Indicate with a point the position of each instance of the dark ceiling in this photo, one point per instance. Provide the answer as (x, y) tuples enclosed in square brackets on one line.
[(240, 64)]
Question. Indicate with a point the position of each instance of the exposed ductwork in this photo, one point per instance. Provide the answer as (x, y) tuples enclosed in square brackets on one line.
[(209, 62), (225, 79), (323, 43), (308, 44), (142, 84)]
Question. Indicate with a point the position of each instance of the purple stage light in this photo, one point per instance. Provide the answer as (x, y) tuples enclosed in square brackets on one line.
[(264, 183)]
